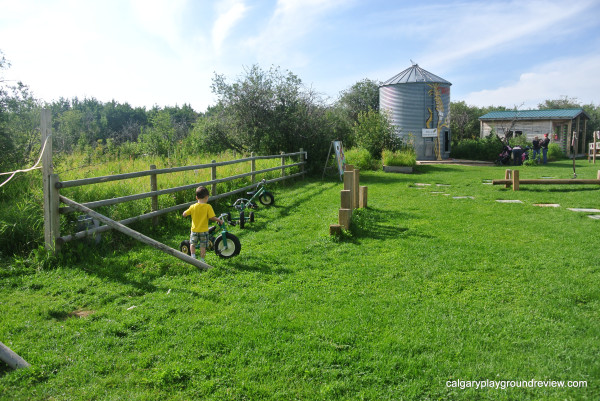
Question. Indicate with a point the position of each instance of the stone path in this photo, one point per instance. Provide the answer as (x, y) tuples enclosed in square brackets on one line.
[(420, 185)]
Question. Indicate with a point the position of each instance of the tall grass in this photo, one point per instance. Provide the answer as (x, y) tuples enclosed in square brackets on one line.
[(21, 215)]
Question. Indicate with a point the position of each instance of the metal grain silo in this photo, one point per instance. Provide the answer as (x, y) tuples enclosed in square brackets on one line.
[(418, 103)]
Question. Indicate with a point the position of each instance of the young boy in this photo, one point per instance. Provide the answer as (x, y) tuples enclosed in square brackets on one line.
[(201, 213)]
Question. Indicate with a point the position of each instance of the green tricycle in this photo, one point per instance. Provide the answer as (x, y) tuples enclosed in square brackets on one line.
[(226, 245), (264, 197)]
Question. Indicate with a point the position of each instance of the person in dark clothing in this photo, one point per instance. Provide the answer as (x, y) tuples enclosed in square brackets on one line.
[(544, 145), (536, 149), (517, 152)]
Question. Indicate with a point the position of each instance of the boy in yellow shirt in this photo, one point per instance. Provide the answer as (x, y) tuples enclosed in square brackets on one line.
[(201, 213)]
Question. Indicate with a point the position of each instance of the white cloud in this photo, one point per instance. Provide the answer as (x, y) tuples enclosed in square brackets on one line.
[(230, 13), (161, 18), (291, 22), (574, 77), (491, 29)]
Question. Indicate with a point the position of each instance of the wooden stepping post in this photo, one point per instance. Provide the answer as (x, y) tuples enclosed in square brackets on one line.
[(515, 180)]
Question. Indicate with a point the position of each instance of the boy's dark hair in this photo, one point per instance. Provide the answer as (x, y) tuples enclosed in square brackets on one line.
[(201, 192)]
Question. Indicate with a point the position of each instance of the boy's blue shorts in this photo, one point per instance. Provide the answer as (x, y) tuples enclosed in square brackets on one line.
[(199, 239)]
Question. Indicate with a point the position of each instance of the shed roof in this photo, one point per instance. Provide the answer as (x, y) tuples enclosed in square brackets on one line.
[(548, 114), (415, 74)]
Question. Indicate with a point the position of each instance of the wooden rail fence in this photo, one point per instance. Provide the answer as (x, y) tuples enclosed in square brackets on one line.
[(511, 177), (53, 198)]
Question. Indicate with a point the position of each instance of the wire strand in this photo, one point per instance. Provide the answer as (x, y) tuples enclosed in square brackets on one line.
[(35, 166)]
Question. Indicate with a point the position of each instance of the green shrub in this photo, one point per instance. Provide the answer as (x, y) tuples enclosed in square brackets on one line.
[(405, 157), (555, 152), (477, 149), (361, 158)]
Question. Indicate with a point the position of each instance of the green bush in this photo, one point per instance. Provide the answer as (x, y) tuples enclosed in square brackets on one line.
[(405, 157), (361, 158), (555, 152), (487, 148)]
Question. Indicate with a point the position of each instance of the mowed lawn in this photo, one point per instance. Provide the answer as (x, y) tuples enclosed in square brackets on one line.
[(423, 291)]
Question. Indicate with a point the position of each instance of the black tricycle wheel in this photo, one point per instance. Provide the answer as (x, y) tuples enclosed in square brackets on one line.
[(185, 247), (233, 246), (266, 198), (242, 220)]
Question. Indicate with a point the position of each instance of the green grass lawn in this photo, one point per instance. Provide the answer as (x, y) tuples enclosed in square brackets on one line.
[(424, 289)]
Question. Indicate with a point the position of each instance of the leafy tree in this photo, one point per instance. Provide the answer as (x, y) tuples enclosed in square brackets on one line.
[(360, 97), (270, 111), (375, 132)]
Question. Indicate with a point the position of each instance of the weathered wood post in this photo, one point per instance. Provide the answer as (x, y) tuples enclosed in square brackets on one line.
[(282, 164), (154, 188), (253, 167), (213, 176), (49, 180), (507, 176), (515, 180), (302, 161), (355, 188), (349, 181), (362, 196), (345, 212)]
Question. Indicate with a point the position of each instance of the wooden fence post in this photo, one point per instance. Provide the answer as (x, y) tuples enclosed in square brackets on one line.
[(349, 181), (282, 165), (515, 180), (355, 187), (253, 167), (507, 176), (344, 217), (345, 199), (153, 188), (362, 197), (49, 180), (302, 161), (213, 176)]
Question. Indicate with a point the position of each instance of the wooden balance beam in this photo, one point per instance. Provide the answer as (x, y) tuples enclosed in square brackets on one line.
[(512, 178)]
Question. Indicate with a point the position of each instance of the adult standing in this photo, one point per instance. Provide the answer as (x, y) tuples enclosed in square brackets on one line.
[(544, 145), (536, 149)]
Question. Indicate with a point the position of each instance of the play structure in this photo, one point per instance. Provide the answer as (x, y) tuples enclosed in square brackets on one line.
[(511, 177), (352, 196), (594, 147)]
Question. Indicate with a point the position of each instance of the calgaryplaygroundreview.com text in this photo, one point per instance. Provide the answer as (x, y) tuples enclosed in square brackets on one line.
[(505, 384)]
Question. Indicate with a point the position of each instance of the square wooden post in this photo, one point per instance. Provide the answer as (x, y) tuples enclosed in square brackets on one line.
[(154, 188), (213, 176), (49, 180), (349, 182), (282, 165), (507, 176), (253, 167), (515, 180), (362, 196), (355, 187)]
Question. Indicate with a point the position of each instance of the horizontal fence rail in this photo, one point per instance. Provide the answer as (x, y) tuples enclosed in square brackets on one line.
[(125, 176), (155, 193)]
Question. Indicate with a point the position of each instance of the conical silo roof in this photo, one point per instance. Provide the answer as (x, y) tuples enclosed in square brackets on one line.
[(415, 74)]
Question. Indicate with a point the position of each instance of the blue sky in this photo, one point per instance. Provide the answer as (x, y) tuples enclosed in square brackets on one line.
[(165, 52)]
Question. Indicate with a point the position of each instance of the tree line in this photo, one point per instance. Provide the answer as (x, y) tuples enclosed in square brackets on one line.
[(263, 111)]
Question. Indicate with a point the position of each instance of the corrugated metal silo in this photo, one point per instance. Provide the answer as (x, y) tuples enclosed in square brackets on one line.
[(418, 103)]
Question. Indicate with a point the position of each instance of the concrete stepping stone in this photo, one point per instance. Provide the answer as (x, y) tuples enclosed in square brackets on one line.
[(594, 216), (584, 210), (420, 184), (546, 204), (463, 197), (509, 201), (442, 185)]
